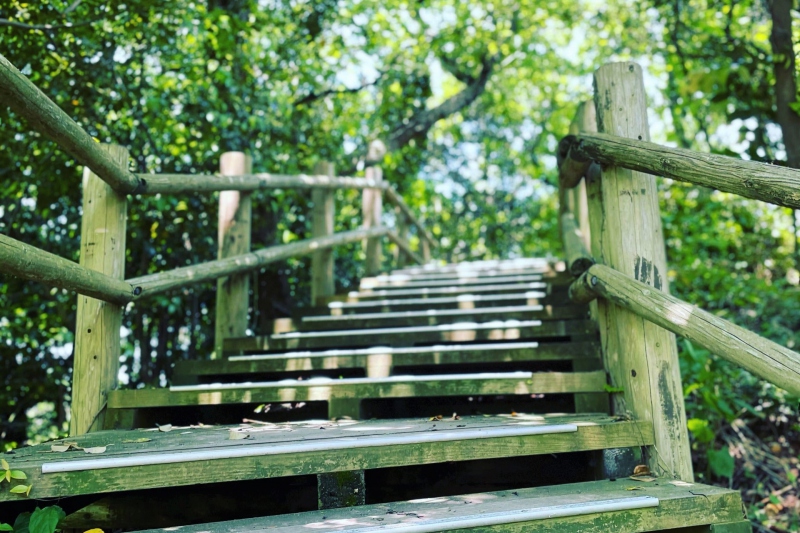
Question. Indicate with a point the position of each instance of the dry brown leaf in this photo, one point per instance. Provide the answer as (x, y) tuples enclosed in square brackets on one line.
[(513, 413), (646, 479), (95, 449), (634, 488), (641, 470), (235, 434), (433, 418), (165, 428), (59, 447), (142, 439), (455, 417)]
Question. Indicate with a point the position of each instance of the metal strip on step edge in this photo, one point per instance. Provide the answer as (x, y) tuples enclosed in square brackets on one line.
[(389, 350), (506, 517), (444, 328), (319, 445)]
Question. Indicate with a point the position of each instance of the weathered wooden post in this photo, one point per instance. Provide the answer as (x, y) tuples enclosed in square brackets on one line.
[(426, 249), (626, 235), (322, 220), (233, 238), (585, 121), (372, 208), (97, 340), (401, 226)]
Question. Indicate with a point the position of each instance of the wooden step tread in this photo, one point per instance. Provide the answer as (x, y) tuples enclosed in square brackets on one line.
[(371, 284), (443, 316), (379, 360), (498, 330), (391, 280), (591, 507), (141, 459), (471, 289), (446, 302), (432, 268), (327, 389)]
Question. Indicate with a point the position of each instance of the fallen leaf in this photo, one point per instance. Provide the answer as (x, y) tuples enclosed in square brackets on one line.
[(456, 417), (437, 417), (646, 479), (235, 434), (165, 428), (21, 489), (679, 483), (95, 530), (142, 439), (513, 413), (634, 488), (59, 447), (95, 449), (18, 474), (641, 470)]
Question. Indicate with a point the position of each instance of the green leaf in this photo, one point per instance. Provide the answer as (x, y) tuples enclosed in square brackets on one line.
[(45, 520), (699, 428), (20, 489), (4, 464), (18, 474), (721, 462), (6, 527), (21, 523)]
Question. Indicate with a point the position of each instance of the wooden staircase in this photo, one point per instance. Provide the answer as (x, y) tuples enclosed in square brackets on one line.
[(363, 406)]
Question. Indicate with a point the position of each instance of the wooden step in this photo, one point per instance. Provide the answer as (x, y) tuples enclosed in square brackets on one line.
[(500, 264), (143, 459), (431, 317), (591, 507), (464, 301), (379, 361), (506, 330), (344, 395), (372, 284), (395, 279), (400, 293)]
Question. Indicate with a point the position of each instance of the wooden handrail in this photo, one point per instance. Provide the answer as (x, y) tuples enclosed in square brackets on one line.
[(761, 356), (578, 256), (195, 183), (759, 181), (211, 270), (31, 263), (395, 199), (44, 116), (404, 247)]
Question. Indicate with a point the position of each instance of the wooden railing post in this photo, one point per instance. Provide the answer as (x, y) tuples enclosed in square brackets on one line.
[(322, 220), (401, 227), (97, 330), (585, 122), (372, 208), (233, 238), (626, 235)]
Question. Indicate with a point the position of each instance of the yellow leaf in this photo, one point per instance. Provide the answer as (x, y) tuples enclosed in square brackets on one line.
[(21, 489), (95, 530), (4, 464)]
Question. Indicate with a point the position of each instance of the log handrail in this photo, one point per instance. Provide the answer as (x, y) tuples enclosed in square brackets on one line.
[(763, 357), (751, 179), (395, 199), (28, 262), (181, 277), (405, 247), (44, 116), (196, 183)]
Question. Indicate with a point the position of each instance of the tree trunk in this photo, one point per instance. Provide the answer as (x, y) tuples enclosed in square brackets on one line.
[(785, 79)]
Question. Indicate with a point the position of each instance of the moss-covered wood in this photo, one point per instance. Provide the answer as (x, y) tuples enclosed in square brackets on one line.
[(196, 183), (380, 361), (500, 330), (678, 507), (592, 433)]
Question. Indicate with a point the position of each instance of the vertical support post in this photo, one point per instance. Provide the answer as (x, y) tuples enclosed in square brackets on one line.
[(233, 238), (626, 234), (426, 249), (576, 201), (401, 226), (372, 208), (97, 341), (322, 219)]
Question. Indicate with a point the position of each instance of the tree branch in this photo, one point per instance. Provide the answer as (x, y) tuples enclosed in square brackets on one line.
[(316, 96), (42, 27), (423, 121)]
